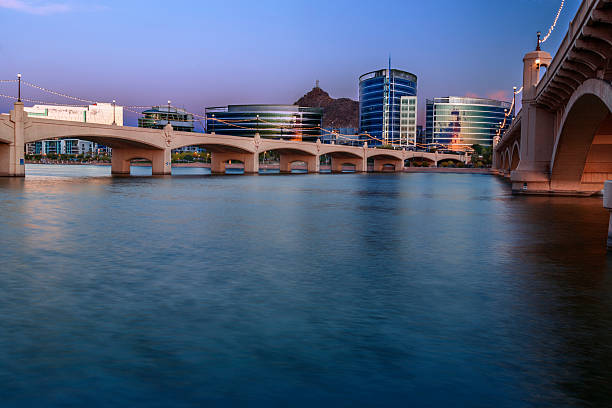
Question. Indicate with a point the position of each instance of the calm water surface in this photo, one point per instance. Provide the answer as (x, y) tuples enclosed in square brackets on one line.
[(425, 290)]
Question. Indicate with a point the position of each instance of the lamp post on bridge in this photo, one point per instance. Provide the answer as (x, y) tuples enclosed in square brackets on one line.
[(114, 117), (19, 88), (168, 112)]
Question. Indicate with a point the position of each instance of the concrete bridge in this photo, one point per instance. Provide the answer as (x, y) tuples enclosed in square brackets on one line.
[(561, 140), (130, 143)]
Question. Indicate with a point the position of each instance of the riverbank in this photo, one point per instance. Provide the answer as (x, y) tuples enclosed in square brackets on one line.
[(272, 166), (463, 170)]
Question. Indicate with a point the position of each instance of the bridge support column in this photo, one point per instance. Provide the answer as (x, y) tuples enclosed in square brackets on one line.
[(219, 159), (361, 164), (607, 202), (12, 159), (312, 162), (162, 162), (532, 176)]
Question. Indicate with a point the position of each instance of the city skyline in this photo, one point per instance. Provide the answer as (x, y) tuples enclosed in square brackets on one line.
[(113, 49)]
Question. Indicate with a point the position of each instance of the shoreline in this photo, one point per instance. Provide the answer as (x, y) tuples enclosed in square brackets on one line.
[(443, 170)]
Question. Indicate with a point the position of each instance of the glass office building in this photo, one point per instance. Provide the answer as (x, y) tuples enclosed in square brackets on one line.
[(388, 107), (288, 122), (459, 122), (159, 116)]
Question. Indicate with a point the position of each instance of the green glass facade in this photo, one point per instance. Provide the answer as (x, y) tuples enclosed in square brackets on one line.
[(288, 122), (459, 122)]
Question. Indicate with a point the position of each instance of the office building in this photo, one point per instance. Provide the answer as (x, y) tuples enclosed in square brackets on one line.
[(159, 116), (388, 107), (288, 122), (460, 122)]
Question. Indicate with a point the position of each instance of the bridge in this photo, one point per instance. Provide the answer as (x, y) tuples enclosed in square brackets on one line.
[(561, 140), (155, 145)]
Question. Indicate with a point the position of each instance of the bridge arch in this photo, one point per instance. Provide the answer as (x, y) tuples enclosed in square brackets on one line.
[(515, 157), (504, 160), (454, 160), (290, 155), (582, 155), (113, 136), (386, 160), (419, 161)]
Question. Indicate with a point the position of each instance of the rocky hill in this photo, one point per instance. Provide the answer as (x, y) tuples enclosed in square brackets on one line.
[(337, 113)]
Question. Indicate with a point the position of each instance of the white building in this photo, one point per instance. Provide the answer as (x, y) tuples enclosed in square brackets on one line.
[(104, 113), (408, 120)]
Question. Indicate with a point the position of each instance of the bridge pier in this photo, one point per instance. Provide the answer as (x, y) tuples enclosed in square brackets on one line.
[(218, 160), (161, 160), (532, 176), (312, 162), (607, 202), (12, 159)]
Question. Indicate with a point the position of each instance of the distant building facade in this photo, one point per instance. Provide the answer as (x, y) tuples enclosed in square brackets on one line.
[(288, 122), (159, 116), (344, 136), (421, 139), (461, 122), (103, 113), (388, 107)]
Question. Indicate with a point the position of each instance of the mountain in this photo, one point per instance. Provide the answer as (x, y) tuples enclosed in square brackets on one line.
[(337, 113)]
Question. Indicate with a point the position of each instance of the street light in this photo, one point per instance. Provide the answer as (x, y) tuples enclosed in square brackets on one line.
[(19, 88), (213, 123), (114, 117), (257, 124), (168, 112)]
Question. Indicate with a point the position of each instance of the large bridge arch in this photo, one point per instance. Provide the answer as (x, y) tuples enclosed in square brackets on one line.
[(114, 136), (582, 155)]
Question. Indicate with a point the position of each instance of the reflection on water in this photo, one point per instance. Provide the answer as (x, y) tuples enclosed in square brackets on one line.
[(335, 290)]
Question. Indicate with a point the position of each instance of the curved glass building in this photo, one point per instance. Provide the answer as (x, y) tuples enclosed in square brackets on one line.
[(462, 122), (388, 107), (289, 122)]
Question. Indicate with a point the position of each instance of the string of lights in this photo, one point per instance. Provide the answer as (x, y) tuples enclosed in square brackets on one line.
[(63, 95), (134, 109), (14, 98), (552, 27)]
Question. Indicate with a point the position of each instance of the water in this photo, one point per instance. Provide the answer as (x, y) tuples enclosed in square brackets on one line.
[(427, 290)]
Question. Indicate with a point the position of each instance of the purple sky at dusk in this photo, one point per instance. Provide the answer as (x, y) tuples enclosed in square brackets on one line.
[(200, 53)]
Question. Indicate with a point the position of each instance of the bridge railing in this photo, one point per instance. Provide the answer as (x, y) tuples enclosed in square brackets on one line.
[(575, 28)]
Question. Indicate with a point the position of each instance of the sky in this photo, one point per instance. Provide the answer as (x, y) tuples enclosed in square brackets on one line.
[(200, 53)]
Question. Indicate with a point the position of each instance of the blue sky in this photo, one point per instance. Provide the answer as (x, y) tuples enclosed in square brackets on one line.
[(201, 53)]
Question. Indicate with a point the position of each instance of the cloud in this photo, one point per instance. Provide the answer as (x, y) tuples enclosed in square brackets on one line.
[(499, 95), (34, 7)]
